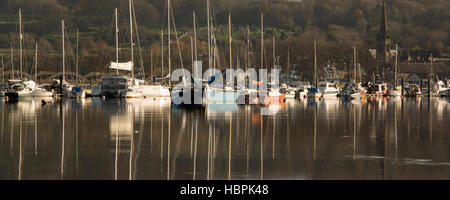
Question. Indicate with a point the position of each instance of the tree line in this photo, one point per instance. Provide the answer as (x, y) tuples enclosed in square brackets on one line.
[(420, 27)]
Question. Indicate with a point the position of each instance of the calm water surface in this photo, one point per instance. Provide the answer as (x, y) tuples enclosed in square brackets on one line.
[(150, 139)]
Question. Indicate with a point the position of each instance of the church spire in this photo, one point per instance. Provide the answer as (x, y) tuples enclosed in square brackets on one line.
[(384, 24), (383, 41), (383, 32)]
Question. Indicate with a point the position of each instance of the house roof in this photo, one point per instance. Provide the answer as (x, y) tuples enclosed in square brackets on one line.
[(414, 78)]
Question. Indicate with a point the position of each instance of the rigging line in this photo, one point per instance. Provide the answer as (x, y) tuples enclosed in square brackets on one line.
[(109, 35), (176, 36), (69, 47), (138, 41)]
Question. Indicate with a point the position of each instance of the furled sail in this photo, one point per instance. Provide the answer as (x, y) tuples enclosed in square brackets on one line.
[(128, 66)]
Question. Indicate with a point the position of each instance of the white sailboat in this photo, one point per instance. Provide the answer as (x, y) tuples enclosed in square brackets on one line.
[(227, 94), (133, 91), (121, 86), (20, 88), (396, 91), (76, 91), (314, 92), (39, 91), (328, 89)]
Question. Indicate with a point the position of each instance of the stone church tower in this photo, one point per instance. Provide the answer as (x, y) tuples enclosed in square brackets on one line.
[(383, 43)]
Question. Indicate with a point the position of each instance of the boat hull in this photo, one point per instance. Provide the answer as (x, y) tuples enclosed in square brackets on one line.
[(155, 91), (220, 96), (273, 100)]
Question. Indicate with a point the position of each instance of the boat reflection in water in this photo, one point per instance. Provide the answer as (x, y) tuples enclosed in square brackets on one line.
[(147, 138)]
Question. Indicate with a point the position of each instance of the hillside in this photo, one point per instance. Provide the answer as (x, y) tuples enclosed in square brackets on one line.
[(420, 27)]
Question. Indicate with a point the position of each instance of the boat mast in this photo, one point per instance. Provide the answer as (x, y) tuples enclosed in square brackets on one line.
[(248, 48), (162, 56), (20, 43), (209, 32), (396, 65), (315, 64), (131, 39), (273, 51), (192, 54), (262, 40), (151, 64), (288, 67), (117, 41), (431, 67), (64, 52), (195, 35), (354, 63), (78, 35), (35, 64), (12, 61), (168, 40), (230, 40)]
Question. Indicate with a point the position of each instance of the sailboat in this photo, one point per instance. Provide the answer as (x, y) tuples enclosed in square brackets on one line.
[(273, 96), (39, 91), (76, 91), (353, 89), (291, 92), (314, 92), (227, 94), (395, 91), (20, 88), (66, 88), (122, 86)]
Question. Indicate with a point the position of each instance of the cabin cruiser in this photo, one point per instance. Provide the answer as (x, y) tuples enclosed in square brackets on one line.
[(115, 86), (120, 87), (328, 89), (42, 92), (20, 89)]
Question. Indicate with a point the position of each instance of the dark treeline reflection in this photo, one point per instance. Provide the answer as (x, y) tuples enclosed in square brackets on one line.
[(152, 139)]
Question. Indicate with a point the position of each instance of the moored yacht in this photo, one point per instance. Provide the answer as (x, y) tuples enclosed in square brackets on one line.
[(115, 86), (378, 88), (20, 89), (76, 92), (220, 95), (42, 92), (328, 89), (155, 90)]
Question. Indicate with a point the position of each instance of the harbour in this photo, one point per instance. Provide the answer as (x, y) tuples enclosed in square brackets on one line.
[(224, 90), (132, 139)]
